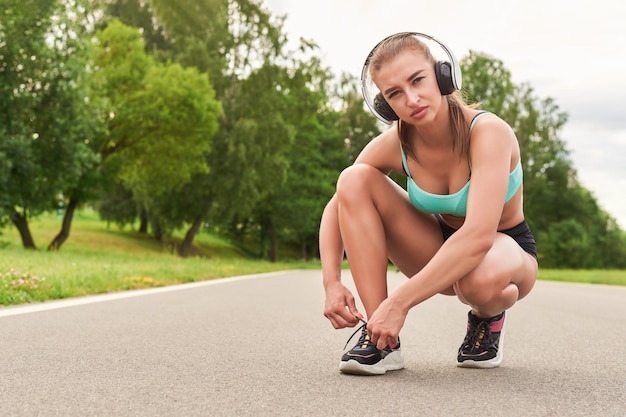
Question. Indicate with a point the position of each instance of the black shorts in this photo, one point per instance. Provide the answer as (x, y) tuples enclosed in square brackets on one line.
[(520, 233)]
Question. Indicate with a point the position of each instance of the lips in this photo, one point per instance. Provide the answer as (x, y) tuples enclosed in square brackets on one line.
[(419, 112)]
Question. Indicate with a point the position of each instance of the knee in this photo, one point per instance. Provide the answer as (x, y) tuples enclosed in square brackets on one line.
[(354, 182), (477, 289)]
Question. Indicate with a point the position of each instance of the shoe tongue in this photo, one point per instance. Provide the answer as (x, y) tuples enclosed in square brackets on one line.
[(365, 341)]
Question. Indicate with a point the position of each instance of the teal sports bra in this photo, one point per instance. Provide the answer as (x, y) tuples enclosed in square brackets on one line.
[(454, 204)]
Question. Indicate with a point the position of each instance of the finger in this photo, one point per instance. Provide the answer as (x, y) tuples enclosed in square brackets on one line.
[(352, 307), (374, 337), (340, 322), (386, 342), (381, 343), (350, 318)]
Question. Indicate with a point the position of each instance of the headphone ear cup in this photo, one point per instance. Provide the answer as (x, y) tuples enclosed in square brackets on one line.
[(384, 109), (443, 72)]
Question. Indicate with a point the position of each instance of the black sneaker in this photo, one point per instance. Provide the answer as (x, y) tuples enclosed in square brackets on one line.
[(482, 347), (366, 359)]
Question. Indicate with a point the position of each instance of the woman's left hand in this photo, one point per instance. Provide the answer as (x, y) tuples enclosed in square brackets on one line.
[(385, 324)]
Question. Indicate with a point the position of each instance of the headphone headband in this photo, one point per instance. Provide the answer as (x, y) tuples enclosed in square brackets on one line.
[(370, 91)]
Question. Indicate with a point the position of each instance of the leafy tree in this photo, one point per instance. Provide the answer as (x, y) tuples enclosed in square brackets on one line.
[(569, 243), (232, 42), (162, 118), (308, 187), (170, 123), (44, 117), (224, 38), (241, 46), (296, 104), (116, 205), (137, 14), (613, 246)]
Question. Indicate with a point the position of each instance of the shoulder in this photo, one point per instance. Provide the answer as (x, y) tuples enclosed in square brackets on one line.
[(484, 126), (383, 152), (483, 120), (491, 136)]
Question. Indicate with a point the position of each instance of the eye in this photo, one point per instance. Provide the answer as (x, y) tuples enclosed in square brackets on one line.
[(392, 94), (416, 80)]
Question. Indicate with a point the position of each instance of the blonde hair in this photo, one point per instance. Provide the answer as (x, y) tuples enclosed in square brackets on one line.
[(390, 48)]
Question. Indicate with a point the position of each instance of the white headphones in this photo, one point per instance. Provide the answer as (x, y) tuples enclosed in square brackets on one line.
[(447, 71)]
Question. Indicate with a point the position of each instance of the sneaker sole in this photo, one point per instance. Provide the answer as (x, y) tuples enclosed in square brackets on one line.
[(391, 362), (493, 363)]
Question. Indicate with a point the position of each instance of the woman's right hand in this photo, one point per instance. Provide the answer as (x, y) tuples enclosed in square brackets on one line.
[(340, 307)]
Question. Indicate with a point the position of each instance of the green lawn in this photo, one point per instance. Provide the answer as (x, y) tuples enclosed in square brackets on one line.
[(588, 276), (99, 258)]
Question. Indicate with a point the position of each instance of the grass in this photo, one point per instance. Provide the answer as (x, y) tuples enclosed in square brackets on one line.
[(98, 258), (586, 276)]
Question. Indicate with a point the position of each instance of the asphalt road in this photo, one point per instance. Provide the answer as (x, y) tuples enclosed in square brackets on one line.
[(260, 346)]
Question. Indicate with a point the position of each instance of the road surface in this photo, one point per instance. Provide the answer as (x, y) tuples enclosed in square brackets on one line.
[(260, 346)]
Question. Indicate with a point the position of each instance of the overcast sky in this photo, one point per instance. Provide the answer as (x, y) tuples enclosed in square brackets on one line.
[(571, 51)]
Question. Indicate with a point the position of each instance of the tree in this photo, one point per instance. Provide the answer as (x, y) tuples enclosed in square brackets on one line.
[(569, 243), (44, 117), (232, 42), (162, 118), (169, 125), (308, 187), (296, 105), (241, 46)]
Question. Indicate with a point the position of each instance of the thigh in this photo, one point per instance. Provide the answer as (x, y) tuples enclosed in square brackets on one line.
[(412, 237)]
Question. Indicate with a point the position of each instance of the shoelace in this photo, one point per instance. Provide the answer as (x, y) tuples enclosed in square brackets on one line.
[(479, 334), (363, 340)]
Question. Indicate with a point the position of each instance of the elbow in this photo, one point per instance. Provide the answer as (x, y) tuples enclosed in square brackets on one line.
[(482, 244)]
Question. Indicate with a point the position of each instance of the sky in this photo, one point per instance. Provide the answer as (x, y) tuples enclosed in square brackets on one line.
[(571, 51)]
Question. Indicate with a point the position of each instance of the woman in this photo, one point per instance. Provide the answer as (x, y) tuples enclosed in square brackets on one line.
[(460, 229)]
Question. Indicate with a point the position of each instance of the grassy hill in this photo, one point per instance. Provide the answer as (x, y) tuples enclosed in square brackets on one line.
[(99, 258)]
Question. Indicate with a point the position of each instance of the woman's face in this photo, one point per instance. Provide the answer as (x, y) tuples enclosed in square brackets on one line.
[(408, 83)]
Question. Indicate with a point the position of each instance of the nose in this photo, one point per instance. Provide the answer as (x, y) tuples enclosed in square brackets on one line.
[(412, 98)]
